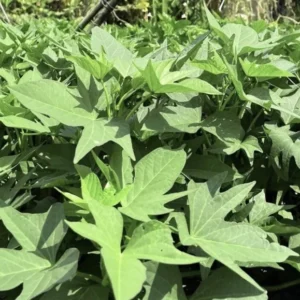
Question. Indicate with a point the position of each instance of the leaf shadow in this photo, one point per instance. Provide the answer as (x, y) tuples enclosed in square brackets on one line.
[(88, 95), (54, 220), (121, 127), (157, 122)]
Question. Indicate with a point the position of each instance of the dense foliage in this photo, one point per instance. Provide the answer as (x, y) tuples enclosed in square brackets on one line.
[(133, 167)]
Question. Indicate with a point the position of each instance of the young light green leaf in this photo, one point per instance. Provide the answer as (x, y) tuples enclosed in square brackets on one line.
[(91, 188), (108, 171), (121, 165), (91, 90)]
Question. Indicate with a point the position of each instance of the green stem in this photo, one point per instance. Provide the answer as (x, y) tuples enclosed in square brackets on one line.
[(254, 120), (89, 277), (19, 138), (242, 111), (164, 7), (282, 286), (121, 101), (206, 138), (107, 99), (227, 100), (9, 136), (136, 107), (154, 11)]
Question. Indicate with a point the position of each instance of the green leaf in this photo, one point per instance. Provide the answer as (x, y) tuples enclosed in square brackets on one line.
[(64, 270), (39, 233), (54, 99), (262, 209), (91, 90), (265, 102), (163, 282), (189, 51), (155, 174), (40, 236), (225, 284), (18, 122), (120, 163), (7, 76), (250, 145), (227, 242), (7, 162), (101, 131), (214, 25), (17, 266), (121, 57), (245, 39), (126, 274), (214, 64), (98, 68), (268, 70), (90, 184), (77, 289), (207, 166), (105, 217), (174, 119), (225, 125), (162, 250), (291, 103), (283, 148), (160, 80)]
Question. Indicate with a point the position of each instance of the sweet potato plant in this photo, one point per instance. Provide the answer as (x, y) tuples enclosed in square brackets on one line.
[(151, 173)]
